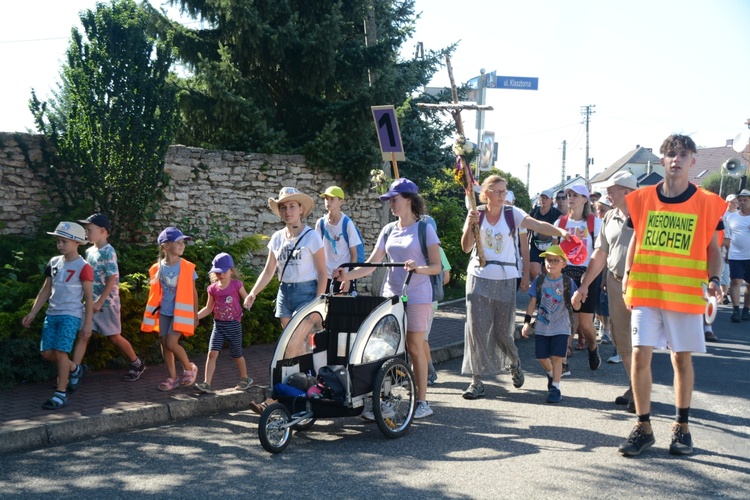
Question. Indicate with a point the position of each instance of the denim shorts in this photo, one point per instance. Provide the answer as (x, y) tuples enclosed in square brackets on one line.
[(59, 332), (292, 296)]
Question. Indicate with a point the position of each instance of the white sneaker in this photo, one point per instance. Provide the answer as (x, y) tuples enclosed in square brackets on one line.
[(367, 413), (615, 359), (423, 410), (385, 408)]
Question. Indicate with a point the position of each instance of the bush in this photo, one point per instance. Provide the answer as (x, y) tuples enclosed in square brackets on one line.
[(22, 275)]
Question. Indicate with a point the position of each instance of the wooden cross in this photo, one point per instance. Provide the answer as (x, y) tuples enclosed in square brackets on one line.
[(455, 109)]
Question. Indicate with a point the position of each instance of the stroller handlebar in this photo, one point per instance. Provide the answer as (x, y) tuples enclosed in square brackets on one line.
[(351, 265)]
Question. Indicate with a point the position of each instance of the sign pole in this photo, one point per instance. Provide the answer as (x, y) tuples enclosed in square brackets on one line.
[(395, 165)]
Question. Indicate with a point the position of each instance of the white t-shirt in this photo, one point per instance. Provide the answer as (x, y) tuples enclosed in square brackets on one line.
[(580, 228), (738, 231), (337, 251), (301, 265), (500, 246)]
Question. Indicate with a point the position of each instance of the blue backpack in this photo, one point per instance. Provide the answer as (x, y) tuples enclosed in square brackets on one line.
[(324, 234)]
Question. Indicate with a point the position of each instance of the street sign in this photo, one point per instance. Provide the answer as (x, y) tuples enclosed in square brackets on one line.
[(389, 135), (517, 82)]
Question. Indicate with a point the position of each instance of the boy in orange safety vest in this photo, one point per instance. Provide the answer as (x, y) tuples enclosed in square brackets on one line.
[(674, 250)]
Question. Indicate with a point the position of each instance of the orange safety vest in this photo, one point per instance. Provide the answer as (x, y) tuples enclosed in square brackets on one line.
[(671, 252), (184, 308)]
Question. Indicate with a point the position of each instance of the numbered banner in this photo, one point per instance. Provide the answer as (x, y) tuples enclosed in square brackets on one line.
[(389, 135)]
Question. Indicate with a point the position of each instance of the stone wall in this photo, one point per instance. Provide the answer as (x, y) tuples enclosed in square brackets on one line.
[(24, 193), (219, 188)]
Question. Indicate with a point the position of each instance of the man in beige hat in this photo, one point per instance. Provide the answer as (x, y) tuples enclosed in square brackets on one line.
[(611, 249)]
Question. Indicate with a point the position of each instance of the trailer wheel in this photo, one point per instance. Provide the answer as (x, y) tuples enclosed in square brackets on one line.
[(394, 398), (274, 436)]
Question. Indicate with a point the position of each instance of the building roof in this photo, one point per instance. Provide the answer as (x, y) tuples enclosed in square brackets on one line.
[(649, 179), (709, 161), (638, 155)]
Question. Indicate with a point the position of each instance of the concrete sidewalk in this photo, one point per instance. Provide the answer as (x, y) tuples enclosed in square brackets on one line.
[(105, 404)]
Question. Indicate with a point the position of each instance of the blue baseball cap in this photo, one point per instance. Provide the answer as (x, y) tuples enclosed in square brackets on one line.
[(222, 263), (171, 235), (400, 186), (100, 220)]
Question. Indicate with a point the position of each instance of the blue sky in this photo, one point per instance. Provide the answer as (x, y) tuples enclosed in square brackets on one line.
[(651, 68)]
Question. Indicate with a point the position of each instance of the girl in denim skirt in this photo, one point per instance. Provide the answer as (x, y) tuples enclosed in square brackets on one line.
[(295, 254)]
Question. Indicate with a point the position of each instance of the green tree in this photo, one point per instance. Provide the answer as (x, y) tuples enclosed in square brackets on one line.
[(113, 116), (296, 76), (728, 186)]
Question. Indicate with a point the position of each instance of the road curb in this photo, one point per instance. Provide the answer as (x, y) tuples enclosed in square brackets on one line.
[(55, 433)]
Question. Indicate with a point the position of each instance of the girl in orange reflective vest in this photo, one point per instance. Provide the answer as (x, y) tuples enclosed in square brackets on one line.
[(171, 308)]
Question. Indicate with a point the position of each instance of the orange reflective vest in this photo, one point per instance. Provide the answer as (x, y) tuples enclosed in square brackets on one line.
[(184, 308), (671, 253)]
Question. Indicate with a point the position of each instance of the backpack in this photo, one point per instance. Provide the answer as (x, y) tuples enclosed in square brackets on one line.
[(324, 234), (436, 280), (590, 222), (333, 380), (567, 295)]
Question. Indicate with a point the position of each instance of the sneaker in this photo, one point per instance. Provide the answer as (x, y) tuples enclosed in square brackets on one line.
[(431, 378), (204, 387), (135, 372), (423, 410), (566, 370), (631, 407), (745, 315), (711, 336), (517, 375), (615, 359), (735, 317), (385, 408), (554, 396), (682, 442), (367, 413), (75, 377), (595, 361), (606, 339), (625, 398), (725, 301), (475, 390), (637, 441)]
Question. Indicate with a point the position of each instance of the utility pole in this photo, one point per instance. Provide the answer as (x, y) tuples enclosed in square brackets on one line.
[(528, 175), (562, 181), (587, 111), (481, 97)]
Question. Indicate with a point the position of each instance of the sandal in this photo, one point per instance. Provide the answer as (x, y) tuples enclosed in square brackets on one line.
[(55, 402), (581, 345), (189, 376), (258, 408), (169, 384), (244, 384), (204, 387)]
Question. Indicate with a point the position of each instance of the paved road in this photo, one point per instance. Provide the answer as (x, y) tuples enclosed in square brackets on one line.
[(509, 444)]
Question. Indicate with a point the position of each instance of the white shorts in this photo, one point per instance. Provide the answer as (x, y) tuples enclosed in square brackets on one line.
[(678, 332)]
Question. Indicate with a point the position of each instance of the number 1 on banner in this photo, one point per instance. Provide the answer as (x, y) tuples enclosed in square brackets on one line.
[(389, 135)]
